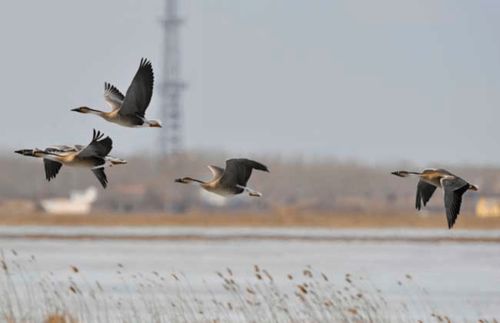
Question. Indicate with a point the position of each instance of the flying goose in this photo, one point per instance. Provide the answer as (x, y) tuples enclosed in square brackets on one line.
[(454, 187), (93, 156), (129, 110), (229, 181)]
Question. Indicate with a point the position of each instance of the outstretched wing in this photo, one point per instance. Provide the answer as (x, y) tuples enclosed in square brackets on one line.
[(454, 188), (139, 92), (51, 168), (101, 176), (216, 171), (424, 193), (113, 96), (98, 147), (238, 171)]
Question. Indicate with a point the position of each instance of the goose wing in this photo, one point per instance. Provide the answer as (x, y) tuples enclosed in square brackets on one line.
[(454, 188), (424, 193), (216, 171), (98, 147), (113, 96), (238, 171), (139, 92), (64, 148), (101, 176), (51, 168), (79, 147)]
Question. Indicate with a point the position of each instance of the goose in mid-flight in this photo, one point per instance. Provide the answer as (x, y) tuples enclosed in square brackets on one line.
[(93, 156), (230, 181), (454, 187), (129, 110)]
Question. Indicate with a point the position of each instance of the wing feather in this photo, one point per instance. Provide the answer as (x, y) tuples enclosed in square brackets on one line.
[(424, 193), (216, 171), (454, 188), (51, 168), (101, 176), (98, 147), (113, 96), (238, 171), (139, 92)]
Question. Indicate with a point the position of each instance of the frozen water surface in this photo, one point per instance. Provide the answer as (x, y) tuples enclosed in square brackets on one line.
[(458, 278)]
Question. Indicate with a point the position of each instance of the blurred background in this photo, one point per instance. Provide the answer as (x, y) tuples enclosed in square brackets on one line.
[(331, 95)]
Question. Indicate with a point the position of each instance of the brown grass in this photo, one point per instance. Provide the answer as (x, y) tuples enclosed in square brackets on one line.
[(157, 297), (276, 219), (302, 295), (59, 318)]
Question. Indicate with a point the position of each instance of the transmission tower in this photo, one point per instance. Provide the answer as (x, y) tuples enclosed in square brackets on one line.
[(172, 84)]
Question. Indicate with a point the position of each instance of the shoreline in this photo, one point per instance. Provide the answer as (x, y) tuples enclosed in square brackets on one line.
[(258, 220), (217, 234)]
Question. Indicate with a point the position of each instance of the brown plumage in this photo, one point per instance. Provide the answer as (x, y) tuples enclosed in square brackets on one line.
[(454, 187), (229, 181), (129, 110), (94, 156)]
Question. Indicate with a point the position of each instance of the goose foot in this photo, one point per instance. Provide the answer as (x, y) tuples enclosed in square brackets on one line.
[(250, 191)]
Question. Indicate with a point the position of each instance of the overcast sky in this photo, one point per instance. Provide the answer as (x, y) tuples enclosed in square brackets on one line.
[(377, 81)]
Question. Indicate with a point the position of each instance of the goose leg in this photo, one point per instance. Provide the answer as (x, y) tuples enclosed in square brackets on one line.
[(250, 191)]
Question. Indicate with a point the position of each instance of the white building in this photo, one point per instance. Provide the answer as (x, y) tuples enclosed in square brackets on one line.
[(79, 202)]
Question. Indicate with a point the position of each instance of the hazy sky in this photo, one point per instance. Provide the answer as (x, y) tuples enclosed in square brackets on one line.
[(372, 80)]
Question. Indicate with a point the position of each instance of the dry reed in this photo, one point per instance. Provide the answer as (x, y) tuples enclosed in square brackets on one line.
[(29, 295)]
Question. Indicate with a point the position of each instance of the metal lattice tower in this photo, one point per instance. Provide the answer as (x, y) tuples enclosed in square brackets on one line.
[(172, 84)]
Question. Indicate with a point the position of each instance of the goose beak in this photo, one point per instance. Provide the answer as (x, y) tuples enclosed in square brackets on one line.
[(81, 110), (179, 180), (400, 173), (25, 152)]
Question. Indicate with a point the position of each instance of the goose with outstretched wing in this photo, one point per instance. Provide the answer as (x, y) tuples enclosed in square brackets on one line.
[(94, 156), (129, 110), (229, 181), (454, 187)]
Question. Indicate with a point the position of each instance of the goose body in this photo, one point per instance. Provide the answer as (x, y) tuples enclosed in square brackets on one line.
[(129, 110), (430, 179), (94, 156), (229, 181)]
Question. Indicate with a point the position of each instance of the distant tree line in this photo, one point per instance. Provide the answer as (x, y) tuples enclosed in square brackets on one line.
[(318, 184)]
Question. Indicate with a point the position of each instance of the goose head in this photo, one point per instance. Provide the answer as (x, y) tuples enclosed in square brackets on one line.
[(187, 180), (83, 110), (401, 173), (31, 152)]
